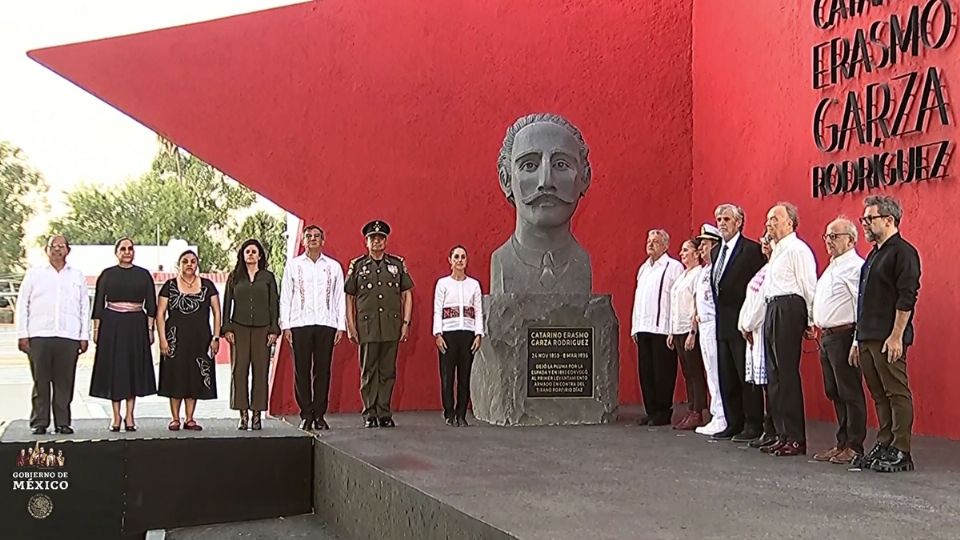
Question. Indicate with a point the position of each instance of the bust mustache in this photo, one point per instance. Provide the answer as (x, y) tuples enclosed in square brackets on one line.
[(544, 171)]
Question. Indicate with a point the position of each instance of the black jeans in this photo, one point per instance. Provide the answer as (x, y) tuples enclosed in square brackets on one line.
[(456, 363), (312, 352)]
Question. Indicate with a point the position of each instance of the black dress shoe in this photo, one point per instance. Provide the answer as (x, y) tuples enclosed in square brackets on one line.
[(747, 435), (306, 424), (370, 422), (65, 430), (725, 435), (660, 419), (320, 423), (643, 420), (771, 448), (894, 461), (462, 421), (39, 431), (765, 440), (387, 422)]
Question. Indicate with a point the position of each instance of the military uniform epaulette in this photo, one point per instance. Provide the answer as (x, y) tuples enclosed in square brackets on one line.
[(353, 263)]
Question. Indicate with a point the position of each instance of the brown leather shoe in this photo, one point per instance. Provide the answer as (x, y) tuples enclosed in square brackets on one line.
[(827, 455), (844, 457), (792, 448), (690, 422), (682, 419), (771, 448)]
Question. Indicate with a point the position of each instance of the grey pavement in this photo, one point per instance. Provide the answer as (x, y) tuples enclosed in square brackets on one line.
[(16, 386), (307, 526), (623, 481)]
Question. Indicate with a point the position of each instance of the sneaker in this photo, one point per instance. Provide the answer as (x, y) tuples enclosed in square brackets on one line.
[(713, 427)]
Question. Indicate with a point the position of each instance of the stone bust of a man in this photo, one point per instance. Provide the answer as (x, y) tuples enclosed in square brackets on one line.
[(544, 171)]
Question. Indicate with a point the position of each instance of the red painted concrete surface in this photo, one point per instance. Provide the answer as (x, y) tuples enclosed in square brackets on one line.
[(346, 111), (754, 105)]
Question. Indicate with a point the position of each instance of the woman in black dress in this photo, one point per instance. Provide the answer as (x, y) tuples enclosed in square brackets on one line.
[(187, 343), (124, 309)]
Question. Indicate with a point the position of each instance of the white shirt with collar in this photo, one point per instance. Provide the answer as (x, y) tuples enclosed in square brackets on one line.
[(730, 245), (311, 294), (53, 304), (835, 300), (651, 301), (792, 270)]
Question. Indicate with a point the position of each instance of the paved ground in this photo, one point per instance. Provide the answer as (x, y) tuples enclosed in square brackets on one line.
[(16, 386), (308, 526), (624, 481)]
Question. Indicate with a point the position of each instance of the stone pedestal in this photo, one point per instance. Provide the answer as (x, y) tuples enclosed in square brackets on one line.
[(564, 327)]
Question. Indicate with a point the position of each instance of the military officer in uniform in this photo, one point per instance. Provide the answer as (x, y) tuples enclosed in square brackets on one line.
[(379, 306)]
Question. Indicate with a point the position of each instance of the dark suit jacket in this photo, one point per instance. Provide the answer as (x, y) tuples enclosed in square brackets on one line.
[(741, 265)]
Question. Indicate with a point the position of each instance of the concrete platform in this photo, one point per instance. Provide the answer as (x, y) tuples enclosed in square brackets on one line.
[(620, 481), (306, 526)]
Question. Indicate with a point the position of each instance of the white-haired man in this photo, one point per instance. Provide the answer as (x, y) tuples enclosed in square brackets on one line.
[(656, 363)]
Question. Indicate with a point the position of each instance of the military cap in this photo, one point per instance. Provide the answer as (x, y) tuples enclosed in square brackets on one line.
[(376, 227), (710, 232)]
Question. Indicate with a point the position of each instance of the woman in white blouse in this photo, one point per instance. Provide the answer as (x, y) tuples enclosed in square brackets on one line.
[(750, 325), (683, 336), (458, 328)]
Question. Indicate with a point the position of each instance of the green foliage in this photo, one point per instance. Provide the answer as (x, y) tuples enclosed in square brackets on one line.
[(269, 230), (181, 195), (22, 191)]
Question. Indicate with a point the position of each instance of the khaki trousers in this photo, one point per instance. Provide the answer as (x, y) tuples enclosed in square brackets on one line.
[(890, 390), (378, 372), (249, 349)]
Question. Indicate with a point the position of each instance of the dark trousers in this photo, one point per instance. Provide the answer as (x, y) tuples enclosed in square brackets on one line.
[(658, 374), (378, 373), (456, 363), (783, 327), (844, 388), (692, 365), (891, 394), (53, 364), (742, 401), (312, 352), (250, 349), (768, 426)]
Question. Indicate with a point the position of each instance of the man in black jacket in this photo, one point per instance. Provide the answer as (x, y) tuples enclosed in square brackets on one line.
[(889, 284), (736, 260)]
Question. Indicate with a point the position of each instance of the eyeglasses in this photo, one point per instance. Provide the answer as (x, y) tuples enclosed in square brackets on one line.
[(867, 220), (308, 236), (834, 236)]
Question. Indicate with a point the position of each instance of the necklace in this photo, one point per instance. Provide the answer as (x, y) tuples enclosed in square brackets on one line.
[(188, 283)]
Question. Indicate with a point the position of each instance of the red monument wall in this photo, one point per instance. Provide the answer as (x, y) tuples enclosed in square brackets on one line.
[(345, 111), (753, 143)]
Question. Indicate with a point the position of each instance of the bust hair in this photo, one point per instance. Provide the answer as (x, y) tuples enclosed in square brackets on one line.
[(504, 165), (886, 206)]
